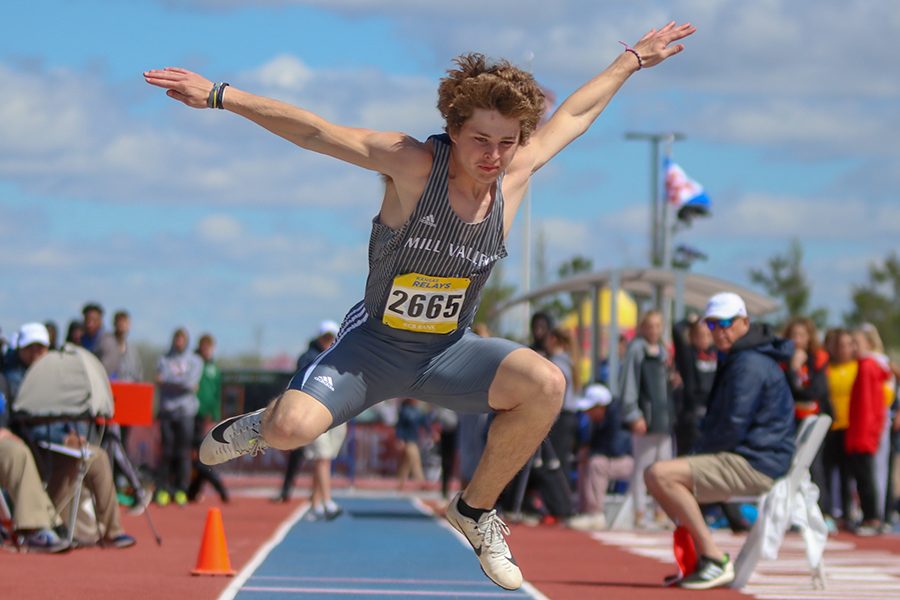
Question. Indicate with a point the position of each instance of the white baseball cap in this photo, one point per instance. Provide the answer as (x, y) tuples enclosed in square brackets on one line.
[(595, 394), (328, 327), (32, 333), (725, 305)]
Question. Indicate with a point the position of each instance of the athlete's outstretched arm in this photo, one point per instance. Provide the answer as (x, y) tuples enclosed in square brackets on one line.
[(578, 112), (386, 152)]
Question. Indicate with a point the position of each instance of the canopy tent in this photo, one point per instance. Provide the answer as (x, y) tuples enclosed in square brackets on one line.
[(642, 283), (682, 288), (70, 382)]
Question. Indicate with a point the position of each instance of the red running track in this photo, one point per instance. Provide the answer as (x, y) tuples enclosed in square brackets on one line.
[(562, 564)]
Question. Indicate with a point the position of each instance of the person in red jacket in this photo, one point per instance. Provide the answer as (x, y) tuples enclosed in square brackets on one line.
[(867, 414)]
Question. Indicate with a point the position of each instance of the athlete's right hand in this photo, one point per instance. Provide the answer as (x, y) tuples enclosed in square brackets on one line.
[(182, 85), (639, 427)]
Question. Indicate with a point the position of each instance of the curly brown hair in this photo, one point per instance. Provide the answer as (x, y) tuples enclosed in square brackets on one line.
[(477, 83)]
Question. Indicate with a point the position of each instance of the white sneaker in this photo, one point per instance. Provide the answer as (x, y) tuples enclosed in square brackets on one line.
[(233, 437), (588, 522), (487, 538), (709, 574)]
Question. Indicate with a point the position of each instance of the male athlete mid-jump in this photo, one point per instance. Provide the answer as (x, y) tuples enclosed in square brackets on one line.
[(448, 205)]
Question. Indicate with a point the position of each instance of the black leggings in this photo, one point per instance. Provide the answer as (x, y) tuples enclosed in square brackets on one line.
[(835, 458), (448, 459), (294, 462), (202, 473), (862, 467), (174, 471)]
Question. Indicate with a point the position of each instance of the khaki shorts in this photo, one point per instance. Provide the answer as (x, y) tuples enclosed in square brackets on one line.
[(327, 445), (720, 476)]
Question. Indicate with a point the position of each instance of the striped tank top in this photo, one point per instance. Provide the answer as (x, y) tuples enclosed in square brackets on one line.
[(427, 275)]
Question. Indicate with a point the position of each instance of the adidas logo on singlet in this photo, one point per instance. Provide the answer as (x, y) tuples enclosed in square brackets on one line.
[(428, 220), (325, 380)]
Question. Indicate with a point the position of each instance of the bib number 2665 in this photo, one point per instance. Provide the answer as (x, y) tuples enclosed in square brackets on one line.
[(428, 304)]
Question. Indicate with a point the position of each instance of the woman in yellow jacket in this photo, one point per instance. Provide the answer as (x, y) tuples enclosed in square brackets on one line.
[(841, 372)]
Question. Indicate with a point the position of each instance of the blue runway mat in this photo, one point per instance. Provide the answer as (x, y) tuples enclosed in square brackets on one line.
[(378, 547)]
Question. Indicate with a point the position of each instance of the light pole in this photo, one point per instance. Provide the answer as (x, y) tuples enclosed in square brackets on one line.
[(526, 276), (658, 237)]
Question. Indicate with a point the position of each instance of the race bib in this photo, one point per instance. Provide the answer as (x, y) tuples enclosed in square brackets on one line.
[(424, 303)]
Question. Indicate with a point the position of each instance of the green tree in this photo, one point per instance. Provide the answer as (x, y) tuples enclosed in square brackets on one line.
[(878, 301), (785, 279)]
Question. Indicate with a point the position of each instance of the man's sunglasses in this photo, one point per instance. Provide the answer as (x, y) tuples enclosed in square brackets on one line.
[(713, 324)]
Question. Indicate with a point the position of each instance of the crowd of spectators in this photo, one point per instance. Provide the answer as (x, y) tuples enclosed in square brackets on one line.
[(46, 463), (606, 437), (604, 442)]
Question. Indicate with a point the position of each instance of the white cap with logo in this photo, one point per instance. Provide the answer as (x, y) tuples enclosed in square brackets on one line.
[(32, 333), (725, 305)]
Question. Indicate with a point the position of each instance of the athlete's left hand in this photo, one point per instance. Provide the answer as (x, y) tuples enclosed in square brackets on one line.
[(182, 85), (654, 46)]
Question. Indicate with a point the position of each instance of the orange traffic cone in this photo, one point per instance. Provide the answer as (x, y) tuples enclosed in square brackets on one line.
[(213, 557)]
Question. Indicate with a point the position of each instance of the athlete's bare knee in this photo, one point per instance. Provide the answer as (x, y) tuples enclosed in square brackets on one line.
[(294, 422), (551, 388)]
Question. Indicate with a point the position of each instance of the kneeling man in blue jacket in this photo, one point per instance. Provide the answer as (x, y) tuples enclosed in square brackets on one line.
[(746, 440)]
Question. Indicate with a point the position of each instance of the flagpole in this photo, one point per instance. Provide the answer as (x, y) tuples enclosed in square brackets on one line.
[(667, 228), (658, 212), (526, 277)]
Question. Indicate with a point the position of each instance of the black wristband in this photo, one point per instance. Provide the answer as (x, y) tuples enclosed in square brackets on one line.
[(220, 93)]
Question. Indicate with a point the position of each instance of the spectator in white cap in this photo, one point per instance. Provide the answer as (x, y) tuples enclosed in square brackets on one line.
[(325, 336), (606, 456), (746, 439), (30, 342), (725, 305)]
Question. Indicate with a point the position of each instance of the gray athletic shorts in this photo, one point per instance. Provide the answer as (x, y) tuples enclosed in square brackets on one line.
[(371, 362)]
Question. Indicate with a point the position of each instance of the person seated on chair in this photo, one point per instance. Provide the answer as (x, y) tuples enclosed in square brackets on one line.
[(606, 456), (32, 346), (33, 515), (746, 438)]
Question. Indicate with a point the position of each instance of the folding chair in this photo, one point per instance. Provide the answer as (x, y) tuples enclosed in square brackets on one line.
[(772, 505), (49, 456)]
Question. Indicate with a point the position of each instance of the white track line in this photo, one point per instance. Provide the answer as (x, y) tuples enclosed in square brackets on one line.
[(424, 508), (237, 583)]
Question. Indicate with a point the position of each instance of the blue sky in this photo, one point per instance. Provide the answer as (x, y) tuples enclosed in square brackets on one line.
[(111, 192)]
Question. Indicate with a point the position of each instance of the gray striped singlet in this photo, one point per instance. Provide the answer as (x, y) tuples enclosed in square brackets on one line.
[(442, 249)]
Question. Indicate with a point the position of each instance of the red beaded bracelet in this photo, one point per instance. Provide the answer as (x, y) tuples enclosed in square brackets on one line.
[(636, 55)]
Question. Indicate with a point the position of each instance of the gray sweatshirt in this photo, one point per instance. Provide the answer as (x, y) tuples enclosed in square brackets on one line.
[(643, 387), (179, 377)]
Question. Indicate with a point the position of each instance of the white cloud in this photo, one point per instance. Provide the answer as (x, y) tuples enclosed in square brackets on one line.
[(200, 157), (565, 235), (285, 71), (758, 215), (298, 284), (219, 228)]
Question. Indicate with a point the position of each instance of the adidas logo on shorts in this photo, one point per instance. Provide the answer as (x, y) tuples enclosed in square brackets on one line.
[(428, 220), (325, 380)]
